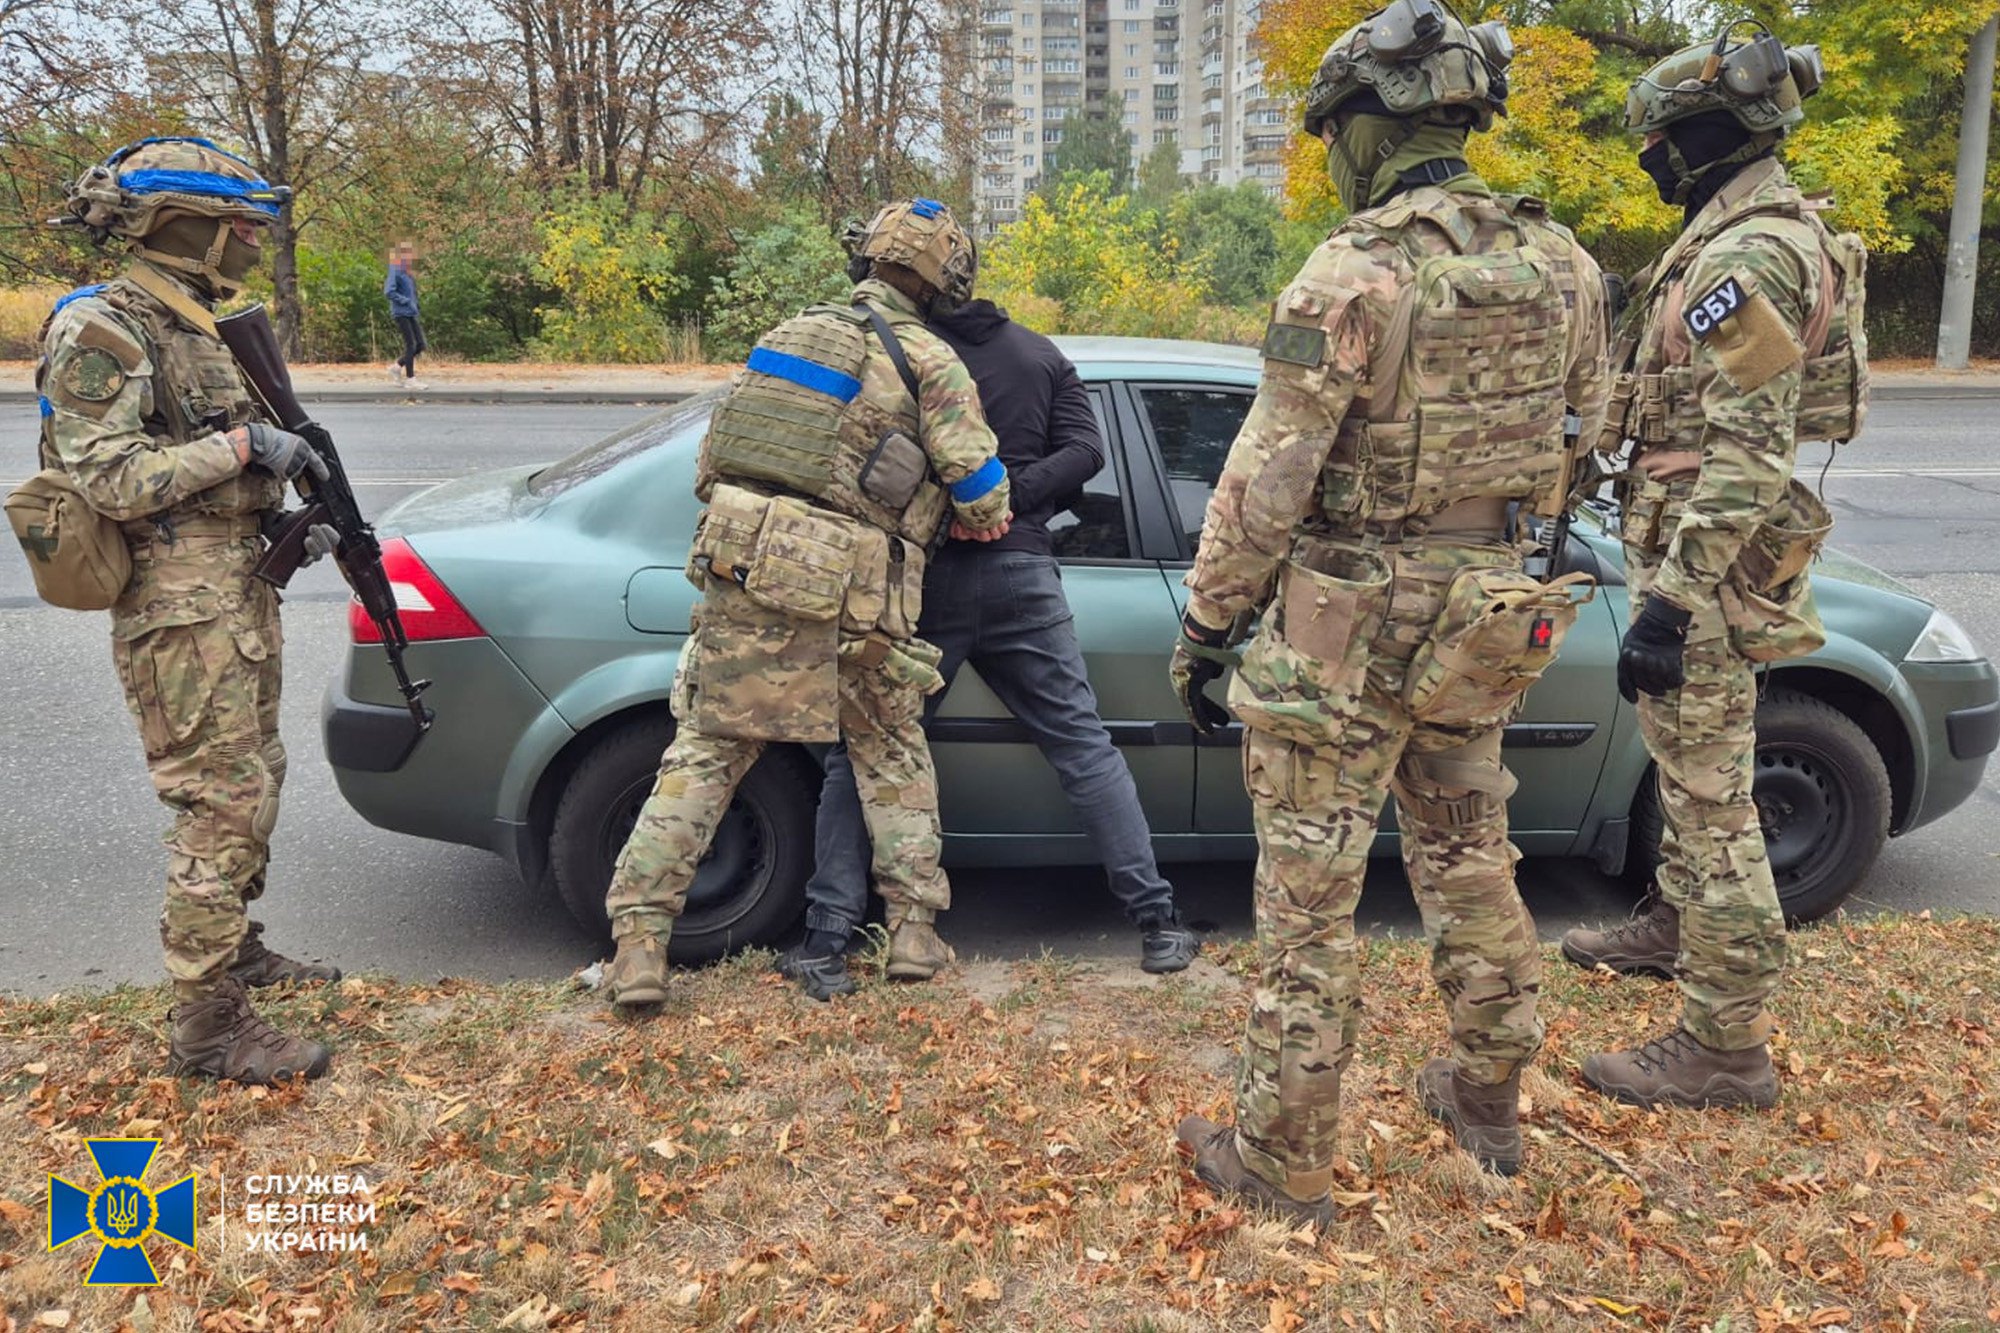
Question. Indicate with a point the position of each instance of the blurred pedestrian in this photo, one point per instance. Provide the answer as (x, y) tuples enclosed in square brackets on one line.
[(401, 289)]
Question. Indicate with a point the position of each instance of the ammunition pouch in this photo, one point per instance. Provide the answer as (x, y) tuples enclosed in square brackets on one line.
[(1495, 635), (802, 560)]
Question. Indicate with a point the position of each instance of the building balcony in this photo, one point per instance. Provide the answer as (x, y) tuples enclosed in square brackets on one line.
[(996, 18)]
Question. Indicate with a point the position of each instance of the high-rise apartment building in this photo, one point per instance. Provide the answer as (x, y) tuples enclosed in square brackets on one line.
[(1168, 71)]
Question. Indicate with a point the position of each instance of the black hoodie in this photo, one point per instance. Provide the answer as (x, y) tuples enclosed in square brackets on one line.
[(1037, 407)]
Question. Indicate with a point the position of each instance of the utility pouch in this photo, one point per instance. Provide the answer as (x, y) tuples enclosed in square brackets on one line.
[(802, 561), (913, 663), (78, 556), (1774, 625), (725, 538), (868, 585), (893, 470), (1306, 668), (1785, 542), (904, 603), (1497, 632)]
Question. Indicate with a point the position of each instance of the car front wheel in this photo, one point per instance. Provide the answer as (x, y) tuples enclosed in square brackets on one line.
[(1822, 794), (751, 882)]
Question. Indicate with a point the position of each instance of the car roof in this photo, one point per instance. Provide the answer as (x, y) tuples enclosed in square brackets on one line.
[(1103, 354)]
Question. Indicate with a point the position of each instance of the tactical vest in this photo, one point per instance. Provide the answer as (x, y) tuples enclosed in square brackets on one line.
[(799, 419), (196, 390), (1654, 400), (1467, 381)]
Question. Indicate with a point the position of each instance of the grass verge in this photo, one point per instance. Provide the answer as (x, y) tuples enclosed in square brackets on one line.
[(993, 1151)]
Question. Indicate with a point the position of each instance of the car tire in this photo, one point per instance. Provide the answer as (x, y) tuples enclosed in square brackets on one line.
[(1823, 797), (752, 882)]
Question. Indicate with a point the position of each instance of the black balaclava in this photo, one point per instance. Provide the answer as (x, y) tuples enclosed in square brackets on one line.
[(1699, 156)]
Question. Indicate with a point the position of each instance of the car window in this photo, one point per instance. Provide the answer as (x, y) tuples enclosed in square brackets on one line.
[(1092, 526), (1194, 429), (679, 425)]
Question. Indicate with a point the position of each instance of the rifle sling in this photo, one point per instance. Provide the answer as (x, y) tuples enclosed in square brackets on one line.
[(894, 347), (168, 293)]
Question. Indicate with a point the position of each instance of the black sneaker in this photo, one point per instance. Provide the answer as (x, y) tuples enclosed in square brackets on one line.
[(819, 974), (1166, 945)]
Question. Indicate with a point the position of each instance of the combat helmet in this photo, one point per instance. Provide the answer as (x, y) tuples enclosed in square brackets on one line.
[(1761, 83), (920, 235), (147, 187), (1421, 60)]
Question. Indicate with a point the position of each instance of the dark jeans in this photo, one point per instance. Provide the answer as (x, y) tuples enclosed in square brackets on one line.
[(1004, 612), (413, 343)]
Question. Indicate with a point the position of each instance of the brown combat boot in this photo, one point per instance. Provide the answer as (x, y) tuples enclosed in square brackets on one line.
[(915, 951), (1677, 1070), (1485, 1118), (637, 975), (1218, 1164), (1649, 942), (257, 965), (221, 1036)]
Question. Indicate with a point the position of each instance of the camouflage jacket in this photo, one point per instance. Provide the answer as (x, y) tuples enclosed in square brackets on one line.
[(136, 405), (949, 423), (1324, 366), (1722, 328)]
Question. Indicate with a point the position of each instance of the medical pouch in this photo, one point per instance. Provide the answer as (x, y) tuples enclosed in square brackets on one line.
[(802, 561), (78, 556), (1497, 632)]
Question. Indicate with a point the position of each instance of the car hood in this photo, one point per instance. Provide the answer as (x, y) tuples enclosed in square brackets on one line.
[(1839, 565)]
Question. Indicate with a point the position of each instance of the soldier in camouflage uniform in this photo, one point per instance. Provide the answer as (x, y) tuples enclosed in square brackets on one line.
[(1746, 338), (1416, 374), (845, 444), (146, 412)]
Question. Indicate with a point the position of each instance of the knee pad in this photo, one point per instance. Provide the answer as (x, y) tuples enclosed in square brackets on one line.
[(271, 759)]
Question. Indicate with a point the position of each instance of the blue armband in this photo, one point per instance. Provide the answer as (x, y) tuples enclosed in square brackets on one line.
[(981, 483)]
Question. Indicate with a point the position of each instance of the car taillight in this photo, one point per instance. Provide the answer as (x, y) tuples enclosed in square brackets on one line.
[(424, 605)]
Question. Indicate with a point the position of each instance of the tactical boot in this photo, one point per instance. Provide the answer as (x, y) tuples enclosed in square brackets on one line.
[(221, 1036), (1218, 1164), (1649, 942), (1485, 1118), (819, 965), (915, 951), (257, 965), (1166, 945), (637, 975), (1677, 1070)]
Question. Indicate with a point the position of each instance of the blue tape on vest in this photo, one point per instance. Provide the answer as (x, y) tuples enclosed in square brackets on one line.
[(926, 208), (980, 483), (810, 374), (77, 295), (48, 408)]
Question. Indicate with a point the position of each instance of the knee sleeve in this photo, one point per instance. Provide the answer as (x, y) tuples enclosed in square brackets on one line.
[(1458, 786), (271, 758)]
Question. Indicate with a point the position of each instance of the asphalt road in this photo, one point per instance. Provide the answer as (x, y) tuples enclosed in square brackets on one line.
[(79, 884)]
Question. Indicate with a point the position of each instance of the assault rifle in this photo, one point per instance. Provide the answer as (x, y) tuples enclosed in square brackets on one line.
[(359, 555)]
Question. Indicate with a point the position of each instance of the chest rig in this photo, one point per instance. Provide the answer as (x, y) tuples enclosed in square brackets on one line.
[(1654, 400), (810, 416), (1467, 380), (195, 391)]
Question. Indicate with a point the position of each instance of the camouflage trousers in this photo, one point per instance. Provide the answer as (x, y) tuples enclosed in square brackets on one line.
[(881, 721), (1316, 806), (1713, 866), (197, 645)]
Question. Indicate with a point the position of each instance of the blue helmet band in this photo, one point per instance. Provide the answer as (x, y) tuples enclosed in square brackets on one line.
[(257, 193)]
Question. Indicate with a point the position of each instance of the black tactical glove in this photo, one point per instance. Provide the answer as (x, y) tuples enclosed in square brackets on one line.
[(1649, 659), (282, 453), (1200, 657)]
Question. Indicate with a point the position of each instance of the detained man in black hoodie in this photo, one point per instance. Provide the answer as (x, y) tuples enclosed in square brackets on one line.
[(999, 605)]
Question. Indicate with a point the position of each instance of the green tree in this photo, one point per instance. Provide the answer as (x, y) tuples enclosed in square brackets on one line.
[(1228, 236), (778, 270), (790, 150), (1160, 178), (614, 276), (1092, 142)]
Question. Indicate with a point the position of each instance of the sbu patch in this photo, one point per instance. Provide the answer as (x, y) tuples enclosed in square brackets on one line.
[(1294, 343), (1704, 313), (1746, 334), (93, 376)]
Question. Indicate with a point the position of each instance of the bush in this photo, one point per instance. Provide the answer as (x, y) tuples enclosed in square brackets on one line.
[(778, 270), (22, 310), (611, 275)]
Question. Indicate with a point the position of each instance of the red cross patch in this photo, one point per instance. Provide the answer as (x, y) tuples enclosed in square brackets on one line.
[(1541, 632)]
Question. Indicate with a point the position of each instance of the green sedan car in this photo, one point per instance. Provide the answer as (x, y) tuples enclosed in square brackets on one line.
[(548, 603)]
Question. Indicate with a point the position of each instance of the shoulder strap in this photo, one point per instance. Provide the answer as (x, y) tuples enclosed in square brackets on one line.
[(184, 307), (894, 347)]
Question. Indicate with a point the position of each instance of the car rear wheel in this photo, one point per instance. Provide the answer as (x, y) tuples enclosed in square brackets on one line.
[(751, 883), (1822, 794)]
